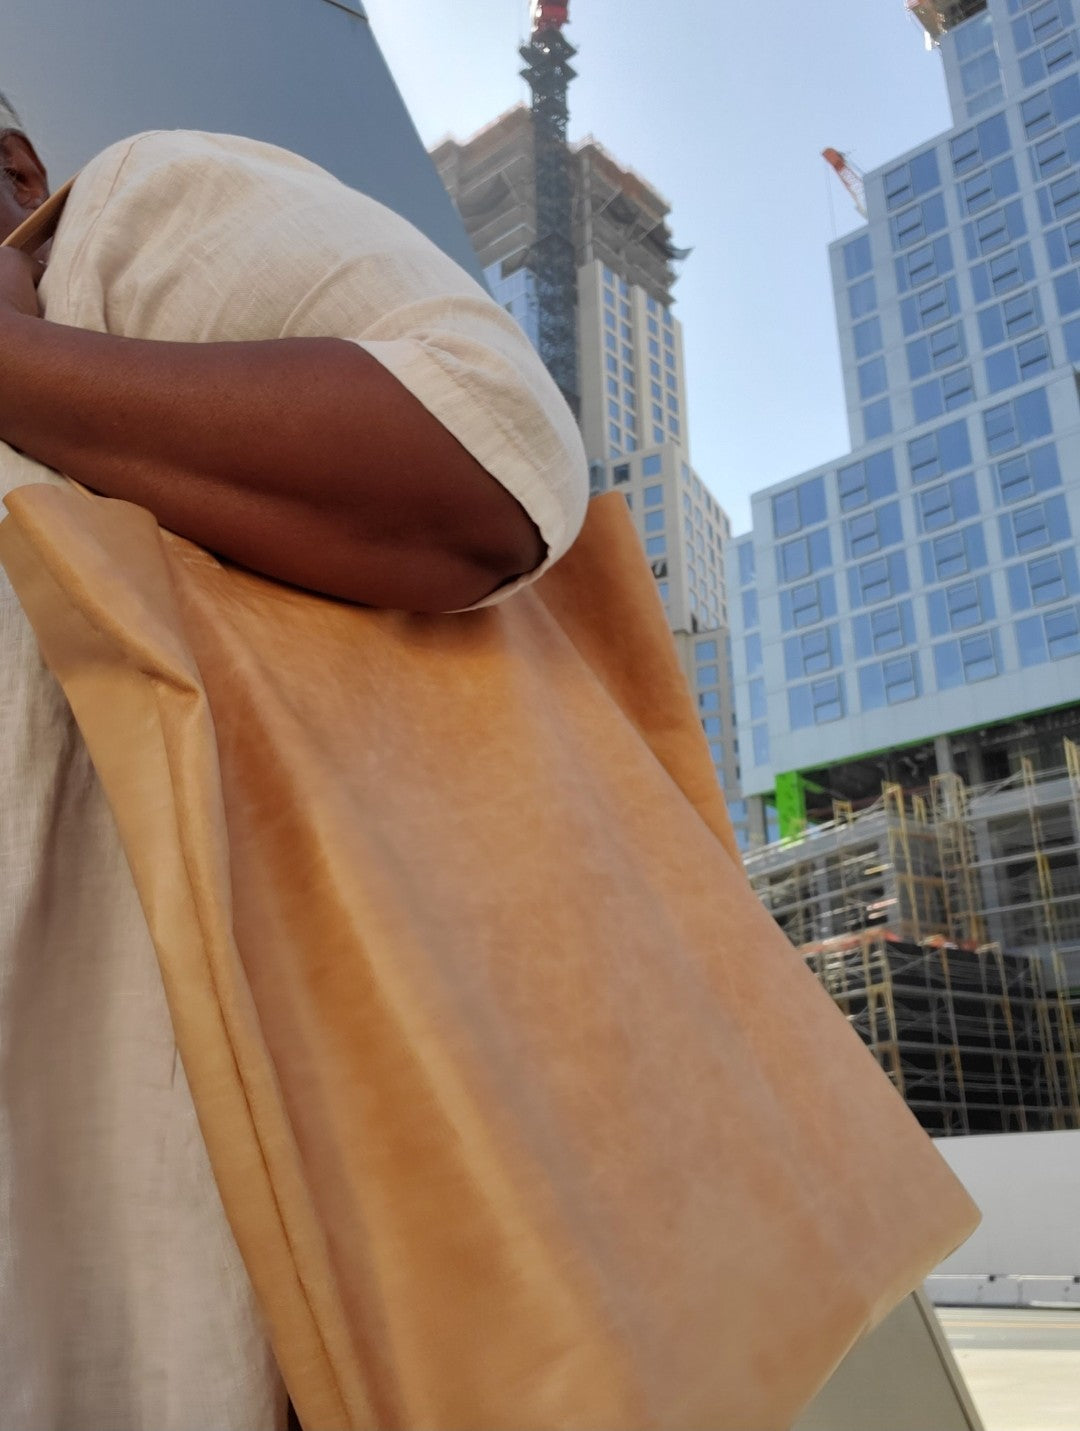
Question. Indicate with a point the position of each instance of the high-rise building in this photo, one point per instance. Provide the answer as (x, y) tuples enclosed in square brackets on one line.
[(630, 371), (913, 608)]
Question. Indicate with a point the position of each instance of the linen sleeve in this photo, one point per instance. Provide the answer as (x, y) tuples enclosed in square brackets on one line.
[(179, 236), (472, 367)]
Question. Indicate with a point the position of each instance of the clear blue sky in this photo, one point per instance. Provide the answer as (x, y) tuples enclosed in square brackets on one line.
[(724, 108)]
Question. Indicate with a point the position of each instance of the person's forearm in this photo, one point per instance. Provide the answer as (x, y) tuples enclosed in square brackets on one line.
[(301, 458)]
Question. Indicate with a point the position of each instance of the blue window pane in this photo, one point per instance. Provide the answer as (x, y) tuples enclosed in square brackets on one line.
[(759, 735), (963, 605), (866, 481), (650, 466), (654, 521), (801, 506), (957, 389), (753, 653), (979, 73), (653, 496), (948, 502), (1056, 252), (978, 657), (1057, 519), (1005, 271), (1071, 333), (862, 298), (812, 501), (928, 400), (901, 679), (965, 497), (993, 136), (922, 265), (917, 222), (807, 604), (871, 688), (877, 419), (827, 699), (746, 562), (749, 609), (924, 171), (811, 653), (1062, 633), (785, 512), (937, 613), (800, 711), (1031, 641), (947, 667), (907, 181), (1032, 69), (867, 337), (877, 580), (954, 447), (918, 359), (857, 257), (872, 378), (757, 699), (991, 326), (870, 531), (793, 560), (885, 629), (1001, 370)]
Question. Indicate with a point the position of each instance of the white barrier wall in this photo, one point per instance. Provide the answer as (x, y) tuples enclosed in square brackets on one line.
[(1027, 1248), (305, 74), (1027, 1186)]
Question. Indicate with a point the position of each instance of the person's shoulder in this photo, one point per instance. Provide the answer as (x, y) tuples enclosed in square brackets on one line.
[(190, 178), (157, 149)]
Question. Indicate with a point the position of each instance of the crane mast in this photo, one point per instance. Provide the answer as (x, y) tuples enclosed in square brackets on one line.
[(553, 261)]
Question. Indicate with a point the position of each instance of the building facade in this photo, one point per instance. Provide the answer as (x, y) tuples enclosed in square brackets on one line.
[(631, 376), (913, 608), (304, 74)]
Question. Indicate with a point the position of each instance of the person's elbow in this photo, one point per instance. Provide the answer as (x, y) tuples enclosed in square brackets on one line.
[(469, 560)]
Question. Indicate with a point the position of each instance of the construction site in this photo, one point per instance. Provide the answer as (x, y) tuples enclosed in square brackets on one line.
[(945, 924)]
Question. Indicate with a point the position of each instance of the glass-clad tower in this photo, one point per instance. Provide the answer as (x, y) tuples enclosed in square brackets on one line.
[(915, 605)]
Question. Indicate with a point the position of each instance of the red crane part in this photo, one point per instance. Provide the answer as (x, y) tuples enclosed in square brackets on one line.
[(849, 176), (549, 15)]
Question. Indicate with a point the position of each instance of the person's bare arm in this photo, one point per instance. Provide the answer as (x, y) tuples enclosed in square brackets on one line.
[(300, 458)]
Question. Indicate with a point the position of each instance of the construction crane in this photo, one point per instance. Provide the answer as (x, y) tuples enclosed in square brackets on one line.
[(548, 15), (850, 177), (553, 261)]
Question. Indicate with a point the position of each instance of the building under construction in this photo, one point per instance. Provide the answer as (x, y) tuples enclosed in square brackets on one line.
[(946, 925), (616, 215)]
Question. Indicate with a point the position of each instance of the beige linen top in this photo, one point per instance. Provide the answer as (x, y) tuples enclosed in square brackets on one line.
[(123, 1300)]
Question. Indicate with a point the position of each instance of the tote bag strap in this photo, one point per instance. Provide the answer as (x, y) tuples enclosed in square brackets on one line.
[(39, 228)]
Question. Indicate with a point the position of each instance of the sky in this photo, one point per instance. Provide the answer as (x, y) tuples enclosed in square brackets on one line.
[(724, 108)]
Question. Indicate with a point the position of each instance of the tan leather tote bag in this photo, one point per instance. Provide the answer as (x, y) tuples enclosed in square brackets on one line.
[(523, 1111)]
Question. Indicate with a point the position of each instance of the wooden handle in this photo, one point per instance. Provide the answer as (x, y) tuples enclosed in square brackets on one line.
[(39, 228)]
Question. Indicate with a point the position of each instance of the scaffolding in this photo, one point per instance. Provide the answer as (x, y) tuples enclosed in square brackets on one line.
[(937, 17), (960, 1032), (946, 924), (553, 261)]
